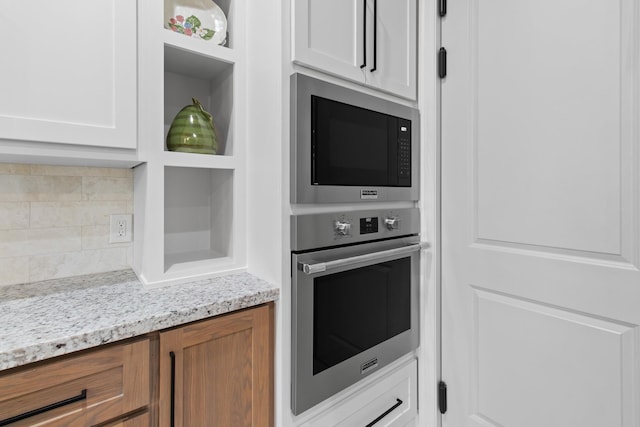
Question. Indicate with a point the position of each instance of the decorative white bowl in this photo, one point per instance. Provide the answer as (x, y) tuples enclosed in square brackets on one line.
[(202, 19)]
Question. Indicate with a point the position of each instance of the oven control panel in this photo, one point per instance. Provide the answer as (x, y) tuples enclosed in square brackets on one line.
[(329, 229), (383, 224), (369, 225), (342, 228)]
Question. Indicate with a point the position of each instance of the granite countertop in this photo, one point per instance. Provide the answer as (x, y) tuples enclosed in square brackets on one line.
[(55, 317)]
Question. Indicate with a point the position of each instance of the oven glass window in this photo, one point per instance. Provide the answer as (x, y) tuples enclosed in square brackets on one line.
[(350, 145), (357, 309)]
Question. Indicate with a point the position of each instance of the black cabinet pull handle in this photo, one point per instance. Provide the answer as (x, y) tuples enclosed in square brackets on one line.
[(385, 413), (442, 63), (375, 36), (364, 34), (173, 389), (78, 398)]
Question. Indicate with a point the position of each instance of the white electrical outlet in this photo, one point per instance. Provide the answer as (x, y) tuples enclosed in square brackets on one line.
[(120, 229)]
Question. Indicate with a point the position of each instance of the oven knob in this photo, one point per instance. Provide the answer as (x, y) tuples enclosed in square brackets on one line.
[(342, 228), (392, 222)]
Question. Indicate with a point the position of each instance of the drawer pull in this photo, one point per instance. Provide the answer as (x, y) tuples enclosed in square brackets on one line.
[(172, 419), (78, 398), (385, 413)]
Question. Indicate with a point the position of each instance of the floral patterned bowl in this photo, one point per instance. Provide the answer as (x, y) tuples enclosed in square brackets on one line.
[(202, 19)]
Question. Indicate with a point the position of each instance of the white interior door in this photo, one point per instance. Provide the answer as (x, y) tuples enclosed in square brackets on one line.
[(541, 213)]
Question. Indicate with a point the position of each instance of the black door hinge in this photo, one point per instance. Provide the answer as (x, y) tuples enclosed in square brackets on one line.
[(442, 397), (442, 63), (442, 8)]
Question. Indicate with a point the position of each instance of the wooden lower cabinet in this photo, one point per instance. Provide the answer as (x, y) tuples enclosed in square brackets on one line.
[(76, 391), (219, 372), (211, 373)]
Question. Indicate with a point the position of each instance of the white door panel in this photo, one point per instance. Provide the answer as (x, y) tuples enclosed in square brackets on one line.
[(69, 77), (541, 213), (329, 35), (550, 117), (395, 47)]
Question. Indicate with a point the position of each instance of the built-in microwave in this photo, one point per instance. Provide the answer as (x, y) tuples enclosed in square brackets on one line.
[(349, 146)]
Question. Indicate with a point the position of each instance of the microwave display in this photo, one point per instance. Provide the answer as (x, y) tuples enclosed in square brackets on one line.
[(354, 146)]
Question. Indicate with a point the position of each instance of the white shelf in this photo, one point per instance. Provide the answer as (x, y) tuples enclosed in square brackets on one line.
[(202, 62), (191, 160)]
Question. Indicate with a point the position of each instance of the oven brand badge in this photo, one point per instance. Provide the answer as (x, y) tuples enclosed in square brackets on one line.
[(369, 194), (367, 366)]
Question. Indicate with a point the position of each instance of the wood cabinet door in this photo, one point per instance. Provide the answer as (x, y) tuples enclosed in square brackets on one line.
[(392, 42), (69, 72), (83, 390), (219, 372), (329, 35)]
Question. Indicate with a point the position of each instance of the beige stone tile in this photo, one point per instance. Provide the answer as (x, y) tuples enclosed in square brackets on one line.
[(14, 270), (17, 188), (51, 170), (14, 243), (107, 188), (69, 214), (112, 172), (14, 215), (97, 237), (39, 241), (68, 264), (14, 168)]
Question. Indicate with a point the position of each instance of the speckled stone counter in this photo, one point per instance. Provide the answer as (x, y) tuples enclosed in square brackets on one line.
[(51, 318)]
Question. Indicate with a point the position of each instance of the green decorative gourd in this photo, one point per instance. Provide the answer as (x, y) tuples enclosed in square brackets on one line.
[(192, 131)]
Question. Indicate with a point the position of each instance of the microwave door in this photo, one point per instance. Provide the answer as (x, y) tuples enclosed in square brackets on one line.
[(350, 145)]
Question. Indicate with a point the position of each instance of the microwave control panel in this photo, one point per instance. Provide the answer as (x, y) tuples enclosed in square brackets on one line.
[(404, 150)]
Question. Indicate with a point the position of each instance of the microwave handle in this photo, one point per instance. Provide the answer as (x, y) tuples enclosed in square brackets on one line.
[(320, 267)]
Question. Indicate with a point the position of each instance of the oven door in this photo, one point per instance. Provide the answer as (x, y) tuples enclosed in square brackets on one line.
[(355, 310)]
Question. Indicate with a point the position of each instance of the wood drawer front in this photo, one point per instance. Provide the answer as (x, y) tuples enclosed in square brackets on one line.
[(398, 390), (116, 380)]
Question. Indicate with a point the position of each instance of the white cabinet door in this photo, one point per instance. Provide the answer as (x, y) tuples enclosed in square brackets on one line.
[(329, 35), (540, 213), (389, 402), (68, 72), (392, 66), (368, 41)]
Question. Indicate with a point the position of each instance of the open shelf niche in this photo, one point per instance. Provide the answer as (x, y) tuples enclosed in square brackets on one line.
[(189, 209), (198, 217), (190, 75)]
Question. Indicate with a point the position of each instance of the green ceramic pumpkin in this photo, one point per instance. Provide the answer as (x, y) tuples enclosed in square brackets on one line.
[(192, 131)]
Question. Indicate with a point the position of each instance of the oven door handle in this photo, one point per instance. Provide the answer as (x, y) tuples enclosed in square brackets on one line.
[(329, 265)]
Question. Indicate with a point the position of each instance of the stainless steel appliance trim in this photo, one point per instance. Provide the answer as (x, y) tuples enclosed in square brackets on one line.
[(307, 389), (330, 265), (314, 231), (302, 191)]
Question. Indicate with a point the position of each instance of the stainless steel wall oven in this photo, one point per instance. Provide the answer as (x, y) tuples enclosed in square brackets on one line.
[(354, 298), (348, 146)]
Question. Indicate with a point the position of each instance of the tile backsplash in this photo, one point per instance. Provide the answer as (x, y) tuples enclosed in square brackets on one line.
[(54, 221)]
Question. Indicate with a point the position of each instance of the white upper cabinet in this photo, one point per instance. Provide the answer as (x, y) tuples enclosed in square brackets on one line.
[(372, 42), (69, 72), (329, 35), (392, 61)]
